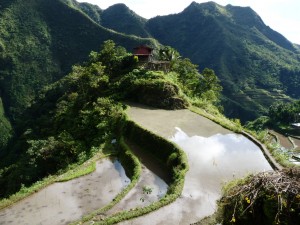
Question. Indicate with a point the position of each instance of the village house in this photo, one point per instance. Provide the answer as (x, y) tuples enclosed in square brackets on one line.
[(147, 60), (144, 53)]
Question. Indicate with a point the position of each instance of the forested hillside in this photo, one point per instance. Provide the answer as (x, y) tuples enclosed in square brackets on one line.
[(73, 117), (39, 42), (41, 39), (256, 64), (66, 69)]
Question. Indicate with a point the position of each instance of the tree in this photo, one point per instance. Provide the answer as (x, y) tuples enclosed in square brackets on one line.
[(168, 53), (284, 112), (209, 85), (188, 75), (114, 58)]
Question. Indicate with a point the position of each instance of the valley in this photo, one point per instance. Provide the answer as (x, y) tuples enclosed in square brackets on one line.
[(110, 118)]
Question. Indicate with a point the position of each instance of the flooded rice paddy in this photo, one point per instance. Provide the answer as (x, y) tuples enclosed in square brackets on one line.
[(213, 161), (215, 155), (163, 122), (150, 188), (62, 203)]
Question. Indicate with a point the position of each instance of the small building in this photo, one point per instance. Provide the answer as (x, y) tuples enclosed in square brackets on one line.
[(144, 53), (147, 60)]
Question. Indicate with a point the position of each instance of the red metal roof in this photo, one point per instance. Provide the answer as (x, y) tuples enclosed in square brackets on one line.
[(142, 50)]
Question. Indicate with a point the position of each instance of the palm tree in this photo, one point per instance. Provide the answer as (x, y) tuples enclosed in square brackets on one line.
[(168, 54)]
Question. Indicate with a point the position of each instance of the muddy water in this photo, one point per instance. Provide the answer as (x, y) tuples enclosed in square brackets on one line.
[(62, 203), (284, 141), (213, 161), (138, 196), (162, 122), (215, 156)]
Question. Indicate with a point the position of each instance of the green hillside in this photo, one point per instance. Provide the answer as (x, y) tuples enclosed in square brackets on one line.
[(117, 17), (120, 18), (93, 11), (39, 41), (245, 53), (6, 129), (72, 118)]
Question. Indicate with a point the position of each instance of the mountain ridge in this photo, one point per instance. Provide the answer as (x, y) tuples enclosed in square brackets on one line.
[(40, 40), (244, 57), (256, 64)]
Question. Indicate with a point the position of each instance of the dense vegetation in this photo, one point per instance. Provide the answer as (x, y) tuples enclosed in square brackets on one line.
[(39, 42), (71, 118), (41, 39), (68, 122), (256, 65), (280, 117)]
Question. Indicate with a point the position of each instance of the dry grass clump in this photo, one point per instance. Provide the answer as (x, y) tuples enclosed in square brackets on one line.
[(266, 198)]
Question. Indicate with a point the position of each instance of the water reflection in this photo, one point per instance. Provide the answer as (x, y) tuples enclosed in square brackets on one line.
[(138, 197), (124, 179), (62, 203), (221, 155), (213, 160)]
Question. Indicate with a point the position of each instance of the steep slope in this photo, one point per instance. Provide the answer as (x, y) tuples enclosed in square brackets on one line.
[(39, 42), (120, 18), (117, 17), (256, 64), (74, 116), (93, 11)]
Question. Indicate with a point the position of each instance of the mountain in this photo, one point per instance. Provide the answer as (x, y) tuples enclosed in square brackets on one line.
[(93, 11), (256, 64), (120, 18), (39, 42), (117, 17)]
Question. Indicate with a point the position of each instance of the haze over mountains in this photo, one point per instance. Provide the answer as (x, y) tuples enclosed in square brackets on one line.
[(41, 39)]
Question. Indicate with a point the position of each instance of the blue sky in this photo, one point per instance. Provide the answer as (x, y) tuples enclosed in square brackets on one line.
[(281, 15)]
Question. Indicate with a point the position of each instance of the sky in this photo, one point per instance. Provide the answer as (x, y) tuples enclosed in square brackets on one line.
[(281, 15)]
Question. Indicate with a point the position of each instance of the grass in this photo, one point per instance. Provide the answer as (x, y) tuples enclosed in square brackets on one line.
[(178, 171), (74, 171), (27, 191), (84, 169), (234, 125), (211, 113), (135, 170), (178, 168), (279, 156)]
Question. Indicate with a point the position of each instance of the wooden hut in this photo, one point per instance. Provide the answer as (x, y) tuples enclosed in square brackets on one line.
[(144, 53)]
